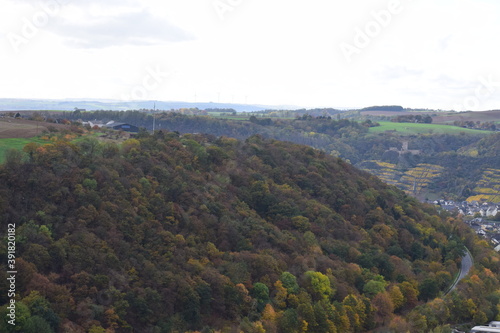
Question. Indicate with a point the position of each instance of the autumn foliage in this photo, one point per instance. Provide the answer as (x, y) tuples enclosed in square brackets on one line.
[(170, 233)]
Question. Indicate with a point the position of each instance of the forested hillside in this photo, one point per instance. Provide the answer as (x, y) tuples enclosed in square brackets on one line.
[(457, 161), (177, 233)]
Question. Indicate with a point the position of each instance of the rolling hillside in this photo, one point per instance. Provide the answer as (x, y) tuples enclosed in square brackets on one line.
[(184, 233)]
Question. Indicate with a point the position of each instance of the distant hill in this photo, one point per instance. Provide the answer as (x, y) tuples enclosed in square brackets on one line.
[(394, 108), (70, 105)]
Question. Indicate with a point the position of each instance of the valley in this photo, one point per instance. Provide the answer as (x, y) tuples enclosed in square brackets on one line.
[(270, 214)]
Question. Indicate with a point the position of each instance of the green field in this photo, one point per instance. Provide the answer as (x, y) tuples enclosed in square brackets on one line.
[(247, 115), (18, 144), (230, 116), (412, 128)]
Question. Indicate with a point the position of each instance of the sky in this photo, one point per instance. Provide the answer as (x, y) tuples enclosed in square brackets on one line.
[(437, 54)]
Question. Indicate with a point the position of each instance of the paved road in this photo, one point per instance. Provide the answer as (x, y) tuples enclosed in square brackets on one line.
[(465, 267)]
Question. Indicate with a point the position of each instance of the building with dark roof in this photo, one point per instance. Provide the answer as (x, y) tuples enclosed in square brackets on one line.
[(123, 127)]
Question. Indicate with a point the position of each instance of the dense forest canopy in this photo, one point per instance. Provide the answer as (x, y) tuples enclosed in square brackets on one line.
[(176, 233), (464, 158)]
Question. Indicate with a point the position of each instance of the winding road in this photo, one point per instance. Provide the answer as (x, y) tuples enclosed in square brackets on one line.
[(466, 265)]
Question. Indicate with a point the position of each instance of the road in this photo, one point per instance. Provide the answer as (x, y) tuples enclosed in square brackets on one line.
[(466, 265)]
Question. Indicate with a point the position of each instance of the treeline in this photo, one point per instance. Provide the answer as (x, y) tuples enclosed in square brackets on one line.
[(178, 233), (319, 112), (395, 108), (344, 138), (419, 119), (228, 110), (486, 126)]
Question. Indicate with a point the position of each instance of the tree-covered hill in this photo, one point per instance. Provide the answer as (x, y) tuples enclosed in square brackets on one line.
[(463, 157), (177, 233)]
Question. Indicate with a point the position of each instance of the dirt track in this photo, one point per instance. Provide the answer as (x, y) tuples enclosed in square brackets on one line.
[(20, 128)]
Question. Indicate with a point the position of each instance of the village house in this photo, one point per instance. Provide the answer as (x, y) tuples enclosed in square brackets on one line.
[(481, 212)]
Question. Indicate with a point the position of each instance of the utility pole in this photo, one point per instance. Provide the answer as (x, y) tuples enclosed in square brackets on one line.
[(154, 118)]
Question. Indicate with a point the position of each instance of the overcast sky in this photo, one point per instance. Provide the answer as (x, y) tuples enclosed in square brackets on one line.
[(319, 53)]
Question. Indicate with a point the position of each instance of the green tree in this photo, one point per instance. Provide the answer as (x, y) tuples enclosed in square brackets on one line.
[(13, 158), (372, 288), (428, 289), (90, 147), (289, 322), (37, 324), (290, 282), (319, 285), (40, 307), (355, 310), (22, 315), (261, 293)]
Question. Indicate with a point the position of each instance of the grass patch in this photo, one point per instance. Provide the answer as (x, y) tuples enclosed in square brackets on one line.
[(412, 128), (18, 144), (226, 115)]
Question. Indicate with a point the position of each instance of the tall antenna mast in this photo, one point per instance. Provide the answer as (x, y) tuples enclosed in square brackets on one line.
[(154, 118)]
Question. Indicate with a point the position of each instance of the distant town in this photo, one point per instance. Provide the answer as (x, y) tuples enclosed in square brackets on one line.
[(485, 219)]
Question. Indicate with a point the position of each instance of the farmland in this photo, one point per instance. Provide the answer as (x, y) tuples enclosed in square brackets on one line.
[(382, 113), (441, 117), (413, 129), (15, 143), (484, 116), (16, 133), (18, 128)]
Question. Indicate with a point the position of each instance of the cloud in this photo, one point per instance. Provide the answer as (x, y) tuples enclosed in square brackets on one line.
[(135, 28)]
